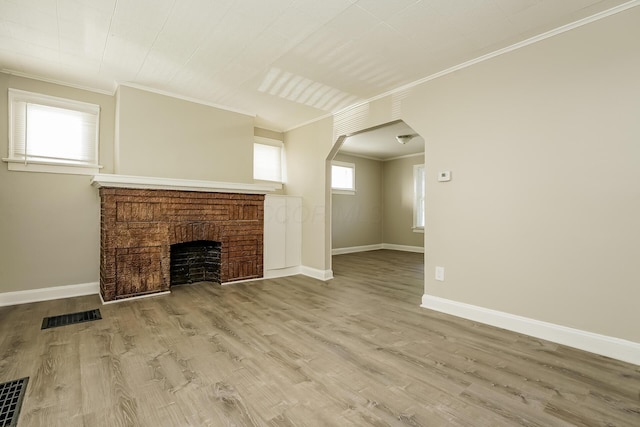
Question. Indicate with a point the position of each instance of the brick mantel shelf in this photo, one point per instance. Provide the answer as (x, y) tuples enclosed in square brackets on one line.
[(142, 217)]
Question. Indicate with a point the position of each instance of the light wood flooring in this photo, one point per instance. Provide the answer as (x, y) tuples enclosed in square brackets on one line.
[(357, 350)]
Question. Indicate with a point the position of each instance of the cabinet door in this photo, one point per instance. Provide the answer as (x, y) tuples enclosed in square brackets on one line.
[(275, 231)]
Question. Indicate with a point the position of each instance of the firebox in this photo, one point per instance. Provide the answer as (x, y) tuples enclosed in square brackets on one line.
[(197, 261)]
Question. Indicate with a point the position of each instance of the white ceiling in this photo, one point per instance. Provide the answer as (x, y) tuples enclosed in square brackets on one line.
[(287, 61), (381, 143)]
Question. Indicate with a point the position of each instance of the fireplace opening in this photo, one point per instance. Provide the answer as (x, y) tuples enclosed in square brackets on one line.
[(197, 261)]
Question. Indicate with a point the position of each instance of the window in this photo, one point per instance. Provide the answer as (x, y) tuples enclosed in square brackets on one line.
[(268, 160), (418, 198), (49, 134), (343, 177)]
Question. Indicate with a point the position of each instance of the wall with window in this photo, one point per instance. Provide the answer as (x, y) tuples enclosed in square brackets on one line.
[(399, 202), (356, 219), (381, 210), (49, 223), (540, 218)]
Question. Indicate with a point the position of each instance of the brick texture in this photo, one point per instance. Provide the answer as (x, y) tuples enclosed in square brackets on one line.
[(138, 226)]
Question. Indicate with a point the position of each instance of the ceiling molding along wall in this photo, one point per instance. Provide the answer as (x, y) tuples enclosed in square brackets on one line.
[(360, 156), (57, 82), (406, 156), (535, 39), (131, 85), (187, 98)]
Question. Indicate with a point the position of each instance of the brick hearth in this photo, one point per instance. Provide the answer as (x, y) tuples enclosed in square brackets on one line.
[(139, 226)]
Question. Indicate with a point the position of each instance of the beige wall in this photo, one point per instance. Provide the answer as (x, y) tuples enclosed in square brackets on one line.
[(381, 211), (541, 216), (266, 133), (356, 219), (49, 223), (398, 202), (306, 151), (172, 138)]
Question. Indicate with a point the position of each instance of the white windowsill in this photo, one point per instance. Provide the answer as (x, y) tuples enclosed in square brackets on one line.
[(346, 192), (51, 167)]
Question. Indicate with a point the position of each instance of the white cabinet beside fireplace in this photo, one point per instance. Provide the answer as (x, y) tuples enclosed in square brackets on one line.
[(282, 235)]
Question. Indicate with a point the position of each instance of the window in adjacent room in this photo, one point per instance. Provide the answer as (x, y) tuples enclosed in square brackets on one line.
[(343, 177), (50, 134), (418, 198), (268, 160)]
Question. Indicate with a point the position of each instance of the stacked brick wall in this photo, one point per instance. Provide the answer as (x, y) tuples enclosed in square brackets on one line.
[(138, 227)]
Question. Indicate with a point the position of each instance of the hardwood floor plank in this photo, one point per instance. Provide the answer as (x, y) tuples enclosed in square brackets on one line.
[(357, 350)]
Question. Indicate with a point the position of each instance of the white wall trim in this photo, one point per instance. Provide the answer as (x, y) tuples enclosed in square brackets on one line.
[(315, 273), (282, 272), (46, 294), (156, 183), (405, 248), (353, 249), (627, 351), (377, 247), (186, 98), (115, 301), (568, 27), (56, 82), (406, 156)]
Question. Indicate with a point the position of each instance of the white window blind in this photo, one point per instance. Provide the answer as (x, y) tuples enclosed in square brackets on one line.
[(343, 176), (419, 196), (52, 131), (267, 162)]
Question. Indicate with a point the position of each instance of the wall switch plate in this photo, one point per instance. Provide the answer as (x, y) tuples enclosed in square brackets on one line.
[(440, 274), (444, 176)]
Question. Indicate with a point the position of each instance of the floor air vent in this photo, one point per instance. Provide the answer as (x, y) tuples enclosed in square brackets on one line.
[(11, 394), (70, 319)]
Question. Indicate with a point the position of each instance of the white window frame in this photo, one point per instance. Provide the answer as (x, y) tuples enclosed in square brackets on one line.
[(419, 192), (20, 162), (344, 190), (258, 140)]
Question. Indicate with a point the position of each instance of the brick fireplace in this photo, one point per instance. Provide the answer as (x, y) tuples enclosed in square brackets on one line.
[(139, 226)]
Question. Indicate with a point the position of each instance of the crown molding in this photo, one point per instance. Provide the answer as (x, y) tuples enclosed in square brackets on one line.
[(535, 39), (186, 98), (55, 81)]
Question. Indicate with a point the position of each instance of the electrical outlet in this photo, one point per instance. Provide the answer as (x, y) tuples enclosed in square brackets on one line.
[(440, 274)]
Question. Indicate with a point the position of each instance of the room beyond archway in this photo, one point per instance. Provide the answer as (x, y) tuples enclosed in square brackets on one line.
[(375, 202)]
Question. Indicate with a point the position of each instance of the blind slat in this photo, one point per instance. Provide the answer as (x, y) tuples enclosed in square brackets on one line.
[(46, 129), (267, 162)]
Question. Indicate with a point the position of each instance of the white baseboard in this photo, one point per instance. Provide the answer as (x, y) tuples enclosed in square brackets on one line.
[(282, 272), (627, 351), (45, 294), (115, 301), (316, 274), (353, 249), (377, 247), (405, 248)]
